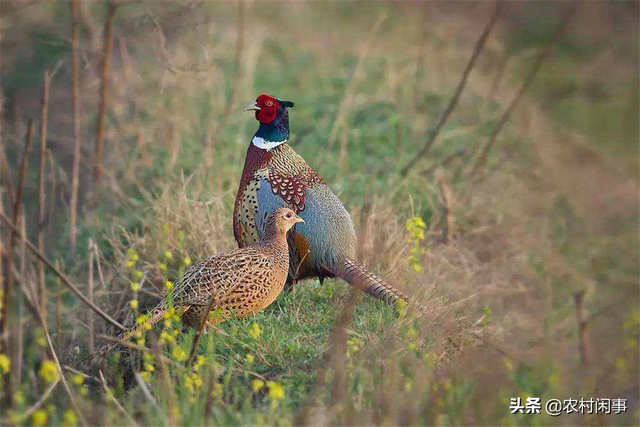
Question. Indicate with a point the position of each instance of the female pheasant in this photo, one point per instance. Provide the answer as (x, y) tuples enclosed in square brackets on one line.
[(275, 175), (242, 281)]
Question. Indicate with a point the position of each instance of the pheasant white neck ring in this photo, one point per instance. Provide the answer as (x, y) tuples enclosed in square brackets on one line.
[(264, 144)]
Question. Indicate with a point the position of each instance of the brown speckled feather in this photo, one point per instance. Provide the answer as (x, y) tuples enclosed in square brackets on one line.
[(241, 281)]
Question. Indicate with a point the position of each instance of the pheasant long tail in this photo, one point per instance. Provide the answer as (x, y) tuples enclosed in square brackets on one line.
[(358, 276), (157, 314)]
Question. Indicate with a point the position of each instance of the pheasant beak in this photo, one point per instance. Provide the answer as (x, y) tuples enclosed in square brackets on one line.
[(300, 220), (252, 107)]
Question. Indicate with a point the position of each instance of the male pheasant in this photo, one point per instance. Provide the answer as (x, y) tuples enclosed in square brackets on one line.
[(242, 281), (275, 175)]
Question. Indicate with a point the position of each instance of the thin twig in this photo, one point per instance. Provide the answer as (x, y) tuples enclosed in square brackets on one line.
[(44, 117), (112, 398), (9, 268), (196, 339), (61, 275), (137, 347), (58, 306), (31, 300), (75, 170), (104, 91), (433, 134), (90, 297), (447, 202), (97, 254), (544, 54), (26, 414)]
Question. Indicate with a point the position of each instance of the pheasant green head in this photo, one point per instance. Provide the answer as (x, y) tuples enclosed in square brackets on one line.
[(273, 116)]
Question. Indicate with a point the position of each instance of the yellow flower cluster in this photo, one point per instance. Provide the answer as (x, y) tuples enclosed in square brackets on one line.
[(256, 385), (276, 390), (5, 363), (255, 331), (353, 346), (48, 371), (39, 418), (416, 227), (69, 418)]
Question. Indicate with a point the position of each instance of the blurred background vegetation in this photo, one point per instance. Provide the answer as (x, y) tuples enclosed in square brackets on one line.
[(496, 259)]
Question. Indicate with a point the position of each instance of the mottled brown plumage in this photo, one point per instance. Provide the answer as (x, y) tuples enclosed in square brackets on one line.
[(241, 282)]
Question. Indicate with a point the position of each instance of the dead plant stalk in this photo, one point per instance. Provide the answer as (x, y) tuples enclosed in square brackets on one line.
[(62, 276), (433, 134), (75, 171)]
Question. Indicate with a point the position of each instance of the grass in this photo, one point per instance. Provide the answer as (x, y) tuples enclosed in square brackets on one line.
[(554, 212)]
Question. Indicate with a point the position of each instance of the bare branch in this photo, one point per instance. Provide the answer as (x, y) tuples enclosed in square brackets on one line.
[(544, 54), (433, 134), (61, 275)]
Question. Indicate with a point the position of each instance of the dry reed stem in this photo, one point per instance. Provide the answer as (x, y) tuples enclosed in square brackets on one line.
[(104, 91), (75, 170), (52, 193), (6, 176), (61, 275), (58, 306), (44, 118), (35, 309), (100, 275), (7, 296), (90, 297), (544, 54), (433, 134), (196, 339), (447, 203), (38, 403), (113, 399), (138, 347)]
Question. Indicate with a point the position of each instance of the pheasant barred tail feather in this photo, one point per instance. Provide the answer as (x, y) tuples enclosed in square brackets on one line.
[(358, 276)]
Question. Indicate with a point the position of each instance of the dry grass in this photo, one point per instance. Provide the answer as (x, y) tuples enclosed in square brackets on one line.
[(553, 213)]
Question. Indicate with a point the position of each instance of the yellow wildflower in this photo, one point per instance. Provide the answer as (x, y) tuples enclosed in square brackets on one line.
[(78, 379), (134, 303), (179, 354), (250, 358), (168, 285), (149, 367), (187, 261), (138, 274), (18, 396), (48, 371), (168, 255), (146, 376), (162, 266), (135, 286), (39, 337), (130, 264), (39, 418), (166, 337), (255, 331), (5, 363), (276, 390), (69, 418), (256, 385), (198, 363)]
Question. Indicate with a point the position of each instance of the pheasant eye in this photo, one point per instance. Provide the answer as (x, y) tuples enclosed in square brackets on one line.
[(269, 103)]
